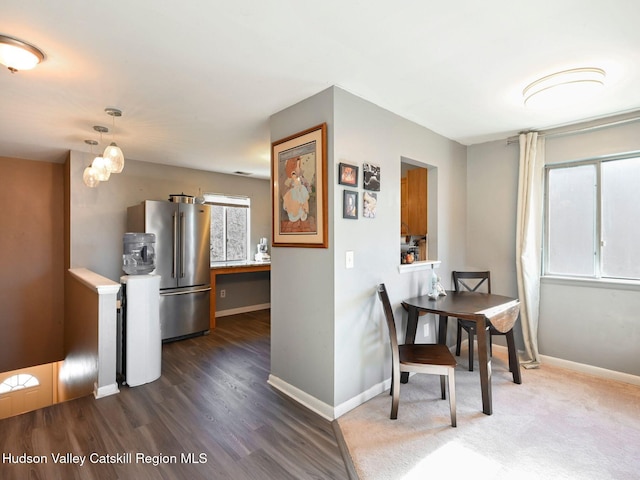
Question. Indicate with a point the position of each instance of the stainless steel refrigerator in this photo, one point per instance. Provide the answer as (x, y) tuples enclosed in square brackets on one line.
[(182, 260)]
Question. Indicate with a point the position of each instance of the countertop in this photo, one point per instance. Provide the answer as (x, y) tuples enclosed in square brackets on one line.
[(239, 264)]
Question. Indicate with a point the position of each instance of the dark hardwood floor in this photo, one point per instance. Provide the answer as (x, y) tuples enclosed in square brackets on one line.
[(211, 415)]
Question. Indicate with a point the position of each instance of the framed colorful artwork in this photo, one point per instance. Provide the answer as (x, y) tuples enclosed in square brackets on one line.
[(299, 193), (348, 175)]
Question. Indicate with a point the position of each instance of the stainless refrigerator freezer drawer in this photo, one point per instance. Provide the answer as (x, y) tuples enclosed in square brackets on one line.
[(184, 311)]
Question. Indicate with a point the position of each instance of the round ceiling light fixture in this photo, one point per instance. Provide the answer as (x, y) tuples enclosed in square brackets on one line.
[(564, 88), (18, 55)]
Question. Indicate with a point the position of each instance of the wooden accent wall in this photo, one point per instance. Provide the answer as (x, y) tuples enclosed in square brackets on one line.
[(32, 263), (79, 371)]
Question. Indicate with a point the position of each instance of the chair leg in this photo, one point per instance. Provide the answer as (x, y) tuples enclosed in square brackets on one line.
[(443, 381), (452, 395), (458, 340), (471, 341)]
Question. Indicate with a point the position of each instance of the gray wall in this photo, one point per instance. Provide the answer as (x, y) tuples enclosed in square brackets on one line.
[(302, 279), (341, 348), (591, 323), (98, 215)]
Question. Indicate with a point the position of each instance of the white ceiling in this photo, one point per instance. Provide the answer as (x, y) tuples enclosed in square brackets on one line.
[(198, 79)]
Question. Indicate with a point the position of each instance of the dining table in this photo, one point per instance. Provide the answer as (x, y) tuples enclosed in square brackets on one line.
[(486, 310)]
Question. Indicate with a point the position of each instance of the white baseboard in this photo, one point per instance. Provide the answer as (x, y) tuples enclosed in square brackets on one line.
[(584, 368), (591, 370), (248, 308), (105, 391), (303, 398), (324, 410), (361, 398)]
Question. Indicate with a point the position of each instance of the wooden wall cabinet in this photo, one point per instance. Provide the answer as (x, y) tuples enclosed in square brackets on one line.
[(413, 201), (404, 213)]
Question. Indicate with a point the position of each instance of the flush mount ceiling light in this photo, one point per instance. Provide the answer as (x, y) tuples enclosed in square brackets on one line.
[(18, 55), (113, 154), (563, 88)]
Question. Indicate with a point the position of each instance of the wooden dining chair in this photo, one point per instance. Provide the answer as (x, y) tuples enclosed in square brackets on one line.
[(472, 282), (433, 359)]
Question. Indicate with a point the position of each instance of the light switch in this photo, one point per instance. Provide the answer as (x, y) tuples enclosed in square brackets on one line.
[(349, 259)]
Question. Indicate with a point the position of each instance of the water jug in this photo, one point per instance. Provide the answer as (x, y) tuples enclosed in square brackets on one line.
[(139, 256)]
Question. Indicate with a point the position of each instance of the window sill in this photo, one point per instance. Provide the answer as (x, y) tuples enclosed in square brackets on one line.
[(609, 283), (417, 266)]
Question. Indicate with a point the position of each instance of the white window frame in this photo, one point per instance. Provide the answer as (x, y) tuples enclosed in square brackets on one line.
[(223, 200), (597, 276)]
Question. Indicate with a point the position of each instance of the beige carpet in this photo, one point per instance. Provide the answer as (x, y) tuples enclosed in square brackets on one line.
[(558, 424)]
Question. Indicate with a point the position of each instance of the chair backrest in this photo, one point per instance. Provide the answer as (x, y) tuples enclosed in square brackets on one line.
[(391, 324), (471, 281)]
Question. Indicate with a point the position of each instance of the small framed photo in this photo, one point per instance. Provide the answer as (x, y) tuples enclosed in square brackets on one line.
[(371, 177), (350, 204), (369, 204), (348, 175)]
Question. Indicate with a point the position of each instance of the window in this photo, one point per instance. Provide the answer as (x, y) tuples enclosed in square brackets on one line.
[(18, 382), (593, 219), (230, 220)]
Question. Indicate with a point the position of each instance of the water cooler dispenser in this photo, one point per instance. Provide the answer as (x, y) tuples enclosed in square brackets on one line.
[(140, 342), (138, 253)]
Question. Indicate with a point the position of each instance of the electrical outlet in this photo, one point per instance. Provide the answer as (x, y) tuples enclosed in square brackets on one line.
[(223, 293), (427, 330)]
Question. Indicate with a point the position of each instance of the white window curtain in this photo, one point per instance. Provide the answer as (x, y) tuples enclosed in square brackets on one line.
[(528, 241)]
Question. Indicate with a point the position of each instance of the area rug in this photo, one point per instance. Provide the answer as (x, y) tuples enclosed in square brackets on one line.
[(558, 424)]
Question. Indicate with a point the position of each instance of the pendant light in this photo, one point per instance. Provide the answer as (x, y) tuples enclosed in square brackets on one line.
[(113, 154), (100, 163), (18, 55), (90, 174)]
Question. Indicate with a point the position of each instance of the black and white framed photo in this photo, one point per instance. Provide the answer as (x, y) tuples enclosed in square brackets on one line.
[(369, 204), (350, 204), (371, 177)]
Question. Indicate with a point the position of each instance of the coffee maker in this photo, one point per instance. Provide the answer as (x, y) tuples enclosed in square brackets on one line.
[(262, 255)]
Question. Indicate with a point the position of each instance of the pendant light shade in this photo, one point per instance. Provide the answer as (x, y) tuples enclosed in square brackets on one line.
[(101, 166), (18, 55), (90, 177), (113, 154), (90, 174), (114, 158)]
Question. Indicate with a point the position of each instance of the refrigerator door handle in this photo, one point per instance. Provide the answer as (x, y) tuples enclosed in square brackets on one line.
[(174, 268), (182, 243), (200, 290)]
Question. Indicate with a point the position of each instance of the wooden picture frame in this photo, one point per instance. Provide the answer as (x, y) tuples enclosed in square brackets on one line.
[(348, 175), (299, 189), (350, 204)]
